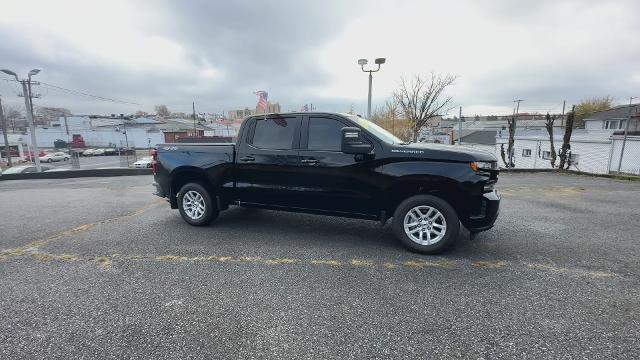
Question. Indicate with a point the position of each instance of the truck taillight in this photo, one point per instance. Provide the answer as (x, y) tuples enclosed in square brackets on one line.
[(154, 160)]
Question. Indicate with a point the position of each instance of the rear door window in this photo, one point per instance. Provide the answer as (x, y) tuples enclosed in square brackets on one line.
[(274, 133)]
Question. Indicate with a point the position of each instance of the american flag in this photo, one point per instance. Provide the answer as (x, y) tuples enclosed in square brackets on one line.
[(304, 108), (262, 99)]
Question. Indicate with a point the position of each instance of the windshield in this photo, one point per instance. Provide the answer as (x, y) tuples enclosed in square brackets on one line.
[(376, 130)]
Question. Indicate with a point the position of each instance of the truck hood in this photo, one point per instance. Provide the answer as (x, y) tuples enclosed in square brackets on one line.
[(443, 152)]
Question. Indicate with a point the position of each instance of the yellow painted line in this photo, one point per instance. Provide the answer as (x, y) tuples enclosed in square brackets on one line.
[(34, 245), (326, 262), (356, 262), (103, 261), (106, 261), (491, 264), (281, 261), (425, 264)]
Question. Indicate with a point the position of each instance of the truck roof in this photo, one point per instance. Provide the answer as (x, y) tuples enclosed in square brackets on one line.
[(305, 113)]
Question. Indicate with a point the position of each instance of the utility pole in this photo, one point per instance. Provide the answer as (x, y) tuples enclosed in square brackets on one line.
[(513, 126), (28, 103), (564, 103), (459, 125), (626, 130), (517, 106), (195, 128), (126, 141), (7, 148)]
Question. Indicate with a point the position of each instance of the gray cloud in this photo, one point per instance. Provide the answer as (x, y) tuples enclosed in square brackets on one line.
[(275, 46)]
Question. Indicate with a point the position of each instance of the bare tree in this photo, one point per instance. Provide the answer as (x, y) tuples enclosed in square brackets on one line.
[(502, 155), (511, 122), (422, 100), (162, 111), (549, 125), (11, 114), (565, 150)]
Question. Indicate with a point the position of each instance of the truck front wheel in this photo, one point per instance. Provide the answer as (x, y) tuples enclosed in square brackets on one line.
[(426, 224), (196, 205)]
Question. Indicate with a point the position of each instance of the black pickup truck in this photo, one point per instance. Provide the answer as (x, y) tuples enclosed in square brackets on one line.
[(334, 164)]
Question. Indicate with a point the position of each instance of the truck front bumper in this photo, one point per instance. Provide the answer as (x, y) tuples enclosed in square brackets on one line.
[(489, 210)]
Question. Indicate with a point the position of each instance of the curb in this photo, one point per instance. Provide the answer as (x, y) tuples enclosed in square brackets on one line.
[(78, 174), (573, 172)]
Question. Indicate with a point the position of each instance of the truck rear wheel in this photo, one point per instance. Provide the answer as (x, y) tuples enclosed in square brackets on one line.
[(196, 205), (426, 224)]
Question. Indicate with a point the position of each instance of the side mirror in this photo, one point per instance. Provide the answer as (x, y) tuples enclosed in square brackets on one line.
[(353, 142)]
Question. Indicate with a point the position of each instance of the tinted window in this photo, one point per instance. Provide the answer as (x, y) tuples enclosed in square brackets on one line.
[(325, 134), (274, 133)]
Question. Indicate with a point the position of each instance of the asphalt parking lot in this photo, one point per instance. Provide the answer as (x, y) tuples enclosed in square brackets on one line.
[(100, 268)]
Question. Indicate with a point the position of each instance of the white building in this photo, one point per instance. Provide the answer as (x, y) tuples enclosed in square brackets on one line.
[(614, 118), (593, 151)]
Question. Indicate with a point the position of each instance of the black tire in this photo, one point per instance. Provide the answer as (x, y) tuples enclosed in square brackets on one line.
[(49, 160), (210, 208), (449, 214)]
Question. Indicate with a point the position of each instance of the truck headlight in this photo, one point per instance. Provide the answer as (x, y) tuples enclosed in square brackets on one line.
[(484, 165)]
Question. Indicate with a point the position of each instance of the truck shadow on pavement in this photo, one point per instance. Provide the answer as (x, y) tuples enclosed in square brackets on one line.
[(283, 229)]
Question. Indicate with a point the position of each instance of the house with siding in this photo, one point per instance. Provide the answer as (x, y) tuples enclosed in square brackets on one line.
[(614, 118)]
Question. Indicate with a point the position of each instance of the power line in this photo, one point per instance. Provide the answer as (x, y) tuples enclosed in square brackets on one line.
[(96, 97), (82, 93)]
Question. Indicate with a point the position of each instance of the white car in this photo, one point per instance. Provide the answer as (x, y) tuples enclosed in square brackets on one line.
[(56, 156), (88, 152), (98, 152), (145, 162), (24, 169)]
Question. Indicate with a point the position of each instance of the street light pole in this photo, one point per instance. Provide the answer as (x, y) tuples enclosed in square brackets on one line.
[(26, 90), (362, 63), (626, 130), (369, 97)]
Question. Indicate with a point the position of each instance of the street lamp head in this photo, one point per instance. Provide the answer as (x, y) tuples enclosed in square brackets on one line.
[(361, 62), (380, 61), (9, 72), (34, 72)]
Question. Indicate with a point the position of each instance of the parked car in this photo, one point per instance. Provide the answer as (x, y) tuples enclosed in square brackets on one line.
[(24, 169), (145, 162), (110, 151), (126, 151), (29, 155), (88, 152), (56, 156), (334, 164), (98, 152)]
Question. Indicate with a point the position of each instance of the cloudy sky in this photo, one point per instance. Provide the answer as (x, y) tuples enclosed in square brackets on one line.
[(217, 53)]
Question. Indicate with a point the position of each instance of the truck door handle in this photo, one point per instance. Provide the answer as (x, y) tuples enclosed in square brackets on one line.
[(310, 161), (247, 158)]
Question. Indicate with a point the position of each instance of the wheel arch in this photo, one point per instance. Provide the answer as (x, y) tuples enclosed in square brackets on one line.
[(443, 188), (184, 175)]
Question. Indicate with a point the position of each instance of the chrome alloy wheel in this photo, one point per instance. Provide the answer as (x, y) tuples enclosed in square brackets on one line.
[(193, 204), (425, 225)]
